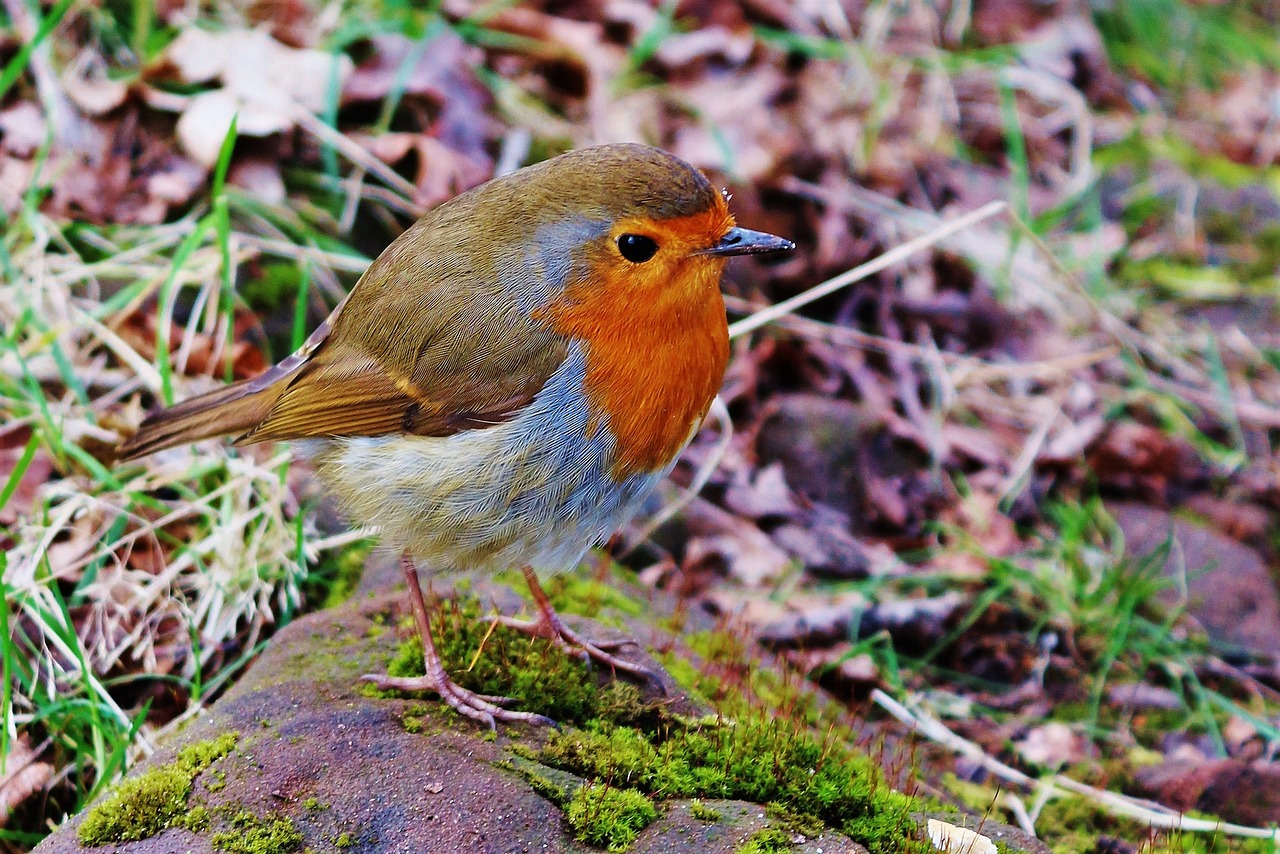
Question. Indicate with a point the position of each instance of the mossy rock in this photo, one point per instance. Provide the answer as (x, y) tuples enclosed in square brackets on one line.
[(318, 764)]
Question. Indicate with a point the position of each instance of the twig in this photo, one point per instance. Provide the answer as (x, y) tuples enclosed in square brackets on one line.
[(1153, 814), (888, 259), (720, 414), (355, 153)]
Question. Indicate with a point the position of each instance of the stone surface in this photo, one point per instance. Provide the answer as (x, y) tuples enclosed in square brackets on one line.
[(1242, 792), (1228, 586), (363, 774)]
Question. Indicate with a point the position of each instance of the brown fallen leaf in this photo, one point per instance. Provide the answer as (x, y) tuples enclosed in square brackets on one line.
[(86, 83), (21, 776), (263, 84), (442, 73), (1052, 745), (744, 550)]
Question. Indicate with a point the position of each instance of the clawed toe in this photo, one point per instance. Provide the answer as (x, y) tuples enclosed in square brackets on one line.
[(484, 708), (549, 625)]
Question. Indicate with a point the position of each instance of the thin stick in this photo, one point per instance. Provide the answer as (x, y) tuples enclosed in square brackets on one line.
[(354, 152), (1151, 813), (888, 259)]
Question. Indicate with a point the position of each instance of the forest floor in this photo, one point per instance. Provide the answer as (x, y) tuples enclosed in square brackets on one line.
[(1012, 495)]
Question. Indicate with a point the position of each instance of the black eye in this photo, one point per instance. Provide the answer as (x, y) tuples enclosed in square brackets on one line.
[(636, 247)]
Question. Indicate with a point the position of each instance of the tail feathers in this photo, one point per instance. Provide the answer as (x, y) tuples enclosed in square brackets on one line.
[(235, 409)]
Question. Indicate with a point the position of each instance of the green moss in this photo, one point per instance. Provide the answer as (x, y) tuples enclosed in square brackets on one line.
[(142, 806), (538, 674), (412, 724), (253, 834), (575, 594), (344, 840), (195, 758), (138, 808), (765, 748), (556, 786), (791, 821), (769, 840), (609, 818), (756, 759), (196, 820), (313, 804), (702, 812)]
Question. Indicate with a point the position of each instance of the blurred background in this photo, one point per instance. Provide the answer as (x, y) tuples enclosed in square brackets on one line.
[(1023, 481)]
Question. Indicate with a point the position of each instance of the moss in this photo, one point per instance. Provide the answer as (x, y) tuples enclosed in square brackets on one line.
[(253, 834), (412, 724), (313, 804), (769, 840), (196, 820), (609, 818), (809, 782), (142, 806), (791, 821), (344, 840), (756, 759), (766, 747), (195, 758), (588, 597), (556, 786), (702, 812), (538, 674), (138, 808)]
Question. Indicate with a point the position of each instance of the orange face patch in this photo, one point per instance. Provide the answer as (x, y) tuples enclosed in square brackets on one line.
[(657, 341)]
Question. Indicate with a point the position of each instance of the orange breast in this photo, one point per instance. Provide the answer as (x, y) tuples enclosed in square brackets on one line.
[(657, 347)]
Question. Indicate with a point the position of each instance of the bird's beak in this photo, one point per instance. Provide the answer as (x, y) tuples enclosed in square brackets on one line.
[(744, 241)]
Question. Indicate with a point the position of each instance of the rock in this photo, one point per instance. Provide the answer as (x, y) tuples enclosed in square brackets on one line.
[(298, 755), (1236, 791), (1011, 837), (1229, 588)]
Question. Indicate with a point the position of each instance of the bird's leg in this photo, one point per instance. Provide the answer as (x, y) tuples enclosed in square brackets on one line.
[(480, 707), (549, 625)]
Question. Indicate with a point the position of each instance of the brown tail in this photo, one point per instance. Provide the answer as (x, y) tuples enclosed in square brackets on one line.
[(236, 409)]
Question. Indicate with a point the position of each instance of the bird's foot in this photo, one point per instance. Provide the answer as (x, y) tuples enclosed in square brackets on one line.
[(549, 626), (484, 708)]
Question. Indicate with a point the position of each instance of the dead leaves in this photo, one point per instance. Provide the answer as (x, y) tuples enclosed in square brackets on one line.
[(256, 80), (21, 776)]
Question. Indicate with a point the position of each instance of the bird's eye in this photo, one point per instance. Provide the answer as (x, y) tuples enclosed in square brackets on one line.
[(636, 247)]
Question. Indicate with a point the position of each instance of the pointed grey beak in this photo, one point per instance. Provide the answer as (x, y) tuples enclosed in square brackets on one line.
[(744, 241)]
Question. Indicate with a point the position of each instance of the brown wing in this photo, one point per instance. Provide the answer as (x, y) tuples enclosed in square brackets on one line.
[(432, 340), (436, 337)]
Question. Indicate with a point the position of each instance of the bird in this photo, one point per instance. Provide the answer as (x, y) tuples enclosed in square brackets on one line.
[(508, 380)]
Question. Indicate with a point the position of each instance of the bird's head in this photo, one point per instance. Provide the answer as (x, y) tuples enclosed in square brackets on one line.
[(631, 222)]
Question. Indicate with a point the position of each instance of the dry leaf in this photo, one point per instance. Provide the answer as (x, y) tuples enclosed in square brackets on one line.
[(87, 85), (1053, 745), (23, 127), (20, 777), (745, 550), (263, 82)]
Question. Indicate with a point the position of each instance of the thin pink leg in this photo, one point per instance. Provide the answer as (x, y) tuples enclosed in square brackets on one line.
[(549, 625), (479, 707)]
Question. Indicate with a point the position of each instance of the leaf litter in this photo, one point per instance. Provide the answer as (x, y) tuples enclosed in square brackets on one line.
[(921, 497)]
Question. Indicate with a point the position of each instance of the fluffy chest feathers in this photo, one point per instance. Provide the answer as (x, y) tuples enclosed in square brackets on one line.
[(536, 489)]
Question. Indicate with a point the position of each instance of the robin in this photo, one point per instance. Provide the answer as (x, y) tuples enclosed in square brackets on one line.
[(509, 379)]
